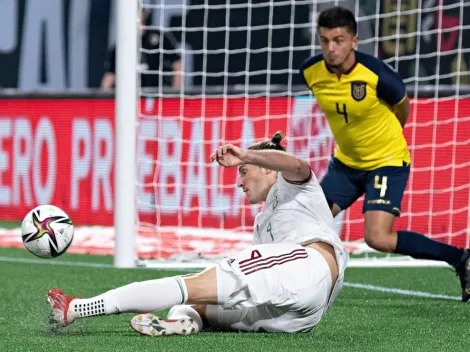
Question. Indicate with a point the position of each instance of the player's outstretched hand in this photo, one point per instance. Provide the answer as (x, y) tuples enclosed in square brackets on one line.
[(228, 155)]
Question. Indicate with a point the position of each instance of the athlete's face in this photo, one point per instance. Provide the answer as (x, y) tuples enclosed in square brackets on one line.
[(255, 182), (336, 45)]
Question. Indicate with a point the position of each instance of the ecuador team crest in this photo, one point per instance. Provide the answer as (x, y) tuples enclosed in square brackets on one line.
[(358, 90)]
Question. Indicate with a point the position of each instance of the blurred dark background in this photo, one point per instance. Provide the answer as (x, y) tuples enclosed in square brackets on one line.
[(61, 44)]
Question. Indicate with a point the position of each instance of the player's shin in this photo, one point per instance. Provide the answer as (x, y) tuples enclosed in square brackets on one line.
[(138, 297), (419, 246)]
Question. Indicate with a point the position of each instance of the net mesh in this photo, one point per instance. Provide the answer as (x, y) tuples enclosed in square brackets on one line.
[(240, 84)]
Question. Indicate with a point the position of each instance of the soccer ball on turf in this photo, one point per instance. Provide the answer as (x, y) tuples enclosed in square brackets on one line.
[(47, 231)]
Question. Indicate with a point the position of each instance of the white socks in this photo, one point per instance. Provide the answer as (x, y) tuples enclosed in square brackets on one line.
[(138, 297), (184, 311)]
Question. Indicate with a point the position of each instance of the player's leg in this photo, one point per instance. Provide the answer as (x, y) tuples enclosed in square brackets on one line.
[(340, 186), (276, 288), (181, 320), (195, 311), (145, 296), (238, 287), (208, 317), (280, 288), (204, 304), (216, 318), (384, 191)]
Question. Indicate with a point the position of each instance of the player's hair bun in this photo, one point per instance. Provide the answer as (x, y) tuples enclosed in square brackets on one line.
[(274, 143), (277, 137)]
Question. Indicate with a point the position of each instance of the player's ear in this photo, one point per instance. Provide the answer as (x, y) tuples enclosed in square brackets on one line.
[(355, 41), (267, 171)]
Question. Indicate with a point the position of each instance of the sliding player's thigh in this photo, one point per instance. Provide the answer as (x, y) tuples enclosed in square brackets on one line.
[(385, 188), (341, 184), (266, 318), (273, 287)]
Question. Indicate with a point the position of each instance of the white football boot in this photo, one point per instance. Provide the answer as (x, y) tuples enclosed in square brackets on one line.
[(149, 324)]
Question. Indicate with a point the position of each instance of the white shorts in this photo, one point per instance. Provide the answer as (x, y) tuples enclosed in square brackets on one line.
[(271, 287)]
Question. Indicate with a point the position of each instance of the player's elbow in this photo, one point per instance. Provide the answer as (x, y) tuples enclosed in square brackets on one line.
[(402, 110), (402, 118), (177, 67), (405, 111), (302, 170)]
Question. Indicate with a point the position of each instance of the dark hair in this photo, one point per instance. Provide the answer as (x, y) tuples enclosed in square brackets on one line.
[(146, 17), (338, 17), (274, 143)]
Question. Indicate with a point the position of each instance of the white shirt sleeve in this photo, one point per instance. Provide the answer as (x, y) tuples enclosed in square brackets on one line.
[(256, 239)]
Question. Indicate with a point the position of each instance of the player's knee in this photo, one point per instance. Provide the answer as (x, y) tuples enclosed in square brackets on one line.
[(195, 312), (379, 239), (335, 209), (184, 310), (200, 309), (202, 287)]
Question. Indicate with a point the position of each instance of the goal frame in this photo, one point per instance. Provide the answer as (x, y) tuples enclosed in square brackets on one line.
[(125, 240), (127, 109), (126, 113)]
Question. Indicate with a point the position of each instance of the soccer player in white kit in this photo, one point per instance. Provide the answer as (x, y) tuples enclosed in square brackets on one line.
[(285, 282)]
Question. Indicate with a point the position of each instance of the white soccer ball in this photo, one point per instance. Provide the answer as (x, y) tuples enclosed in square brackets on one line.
[(47, 231)]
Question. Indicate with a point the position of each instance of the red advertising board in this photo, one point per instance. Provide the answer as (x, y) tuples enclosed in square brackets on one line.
[(61, 151)]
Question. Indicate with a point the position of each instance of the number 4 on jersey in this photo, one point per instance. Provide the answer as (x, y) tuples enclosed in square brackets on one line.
[(269, 231), (343, 112)]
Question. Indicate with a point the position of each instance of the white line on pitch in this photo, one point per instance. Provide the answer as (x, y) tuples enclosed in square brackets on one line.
[(399, 291), (53, 262), (82, 264), (391, 290)]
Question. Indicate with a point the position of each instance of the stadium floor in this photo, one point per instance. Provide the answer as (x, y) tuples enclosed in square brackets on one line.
[(389, 309)]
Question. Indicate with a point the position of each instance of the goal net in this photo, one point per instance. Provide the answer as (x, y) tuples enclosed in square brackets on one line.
[(240, 84)]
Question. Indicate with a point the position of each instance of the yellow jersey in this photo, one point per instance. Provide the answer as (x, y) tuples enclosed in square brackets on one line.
[(358, 106)]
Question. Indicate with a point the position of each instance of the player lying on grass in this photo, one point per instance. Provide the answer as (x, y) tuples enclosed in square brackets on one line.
[(366, 105), (285, 282)]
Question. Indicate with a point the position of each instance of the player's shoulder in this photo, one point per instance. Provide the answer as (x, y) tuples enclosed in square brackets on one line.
[(311, 70), (311, 61), (310, 181), (372, 63)]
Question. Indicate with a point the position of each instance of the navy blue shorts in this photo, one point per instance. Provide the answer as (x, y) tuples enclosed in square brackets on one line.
[(384, 187)]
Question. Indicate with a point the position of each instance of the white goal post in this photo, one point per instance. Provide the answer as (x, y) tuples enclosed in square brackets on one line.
[(126, 110), (240, 84)]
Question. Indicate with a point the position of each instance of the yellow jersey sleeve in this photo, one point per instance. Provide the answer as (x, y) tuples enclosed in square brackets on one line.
[(358, 106)]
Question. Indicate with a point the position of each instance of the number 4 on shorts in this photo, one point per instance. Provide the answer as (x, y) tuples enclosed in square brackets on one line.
[(381, 185)]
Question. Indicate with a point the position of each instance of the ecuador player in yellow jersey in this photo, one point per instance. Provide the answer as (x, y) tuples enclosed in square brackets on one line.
[(366, 105)]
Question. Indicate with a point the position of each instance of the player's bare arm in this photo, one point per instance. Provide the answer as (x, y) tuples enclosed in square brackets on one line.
[(291, 167), (402, 110), (108, 80), (177, 74)]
